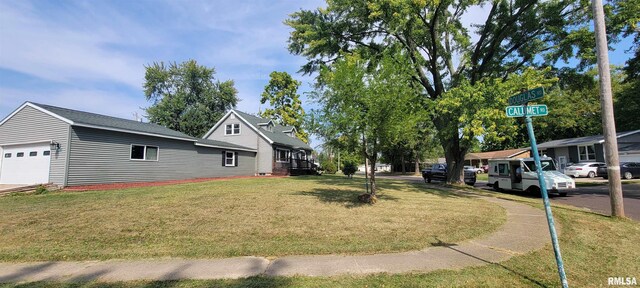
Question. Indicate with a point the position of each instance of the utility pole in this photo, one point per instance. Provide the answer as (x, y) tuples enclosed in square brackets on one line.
[(606, 105)]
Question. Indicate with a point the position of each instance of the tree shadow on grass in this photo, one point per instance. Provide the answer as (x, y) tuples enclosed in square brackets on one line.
[(349, 198), (384, 184)]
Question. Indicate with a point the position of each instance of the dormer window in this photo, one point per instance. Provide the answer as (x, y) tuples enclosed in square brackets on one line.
[(232, 129), (267, 126)]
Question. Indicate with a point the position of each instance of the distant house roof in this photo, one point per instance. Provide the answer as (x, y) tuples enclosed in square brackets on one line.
[(496, 154), (278, 135), (103, 122), (587, 140)]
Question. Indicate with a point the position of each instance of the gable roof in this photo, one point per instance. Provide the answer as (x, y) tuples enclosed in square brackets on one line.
[(92, 120), (278, 135), (104, 122), (587, 140), (496, 154)]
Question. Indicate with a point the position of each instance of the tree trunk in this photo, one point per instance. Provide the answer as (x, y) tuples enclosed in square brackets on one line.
[(453, 151), (417, 169), (372, 179), (404, 168)]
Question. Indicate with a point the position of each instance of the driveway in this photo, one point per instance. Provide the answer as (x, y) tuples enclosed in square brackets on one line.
[(5, 187)]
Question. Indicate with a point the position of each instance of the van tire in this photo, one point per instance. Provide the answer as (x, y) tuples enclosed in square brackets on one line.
[(496, 187), (563, 194), (534, 190)]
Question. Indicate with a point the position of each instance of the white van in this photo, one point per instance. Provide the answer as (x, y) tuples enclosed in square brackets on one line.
[(521, 175)]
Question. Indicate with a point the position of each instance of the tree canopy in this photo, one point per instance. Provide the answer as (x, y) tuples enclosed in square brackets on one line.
[(186, 97), (454, 66), (282, 95)]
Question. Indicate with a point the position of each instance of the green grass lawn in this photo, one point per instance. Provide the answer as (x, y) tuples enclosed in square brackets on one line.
[(257, 216), (482, 177), (594, 247)]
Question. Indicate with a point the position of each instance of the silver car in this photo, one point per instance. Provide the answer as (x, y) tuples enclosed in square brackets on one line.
[(583, 169)]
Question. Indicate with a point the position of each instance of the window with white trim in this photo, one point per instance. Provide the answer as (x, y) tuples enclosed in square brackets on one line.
[(229, 158), (232, 129), (586, 153), (282, 155), (144, 152)]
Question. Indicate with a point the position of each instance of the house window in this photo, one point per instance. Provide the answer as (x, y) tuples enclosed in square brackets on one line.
[(143, 152), (232, 129), (20, 154), (229, 158), (7, 155), (282, 155), (586, 153), (33, 153)]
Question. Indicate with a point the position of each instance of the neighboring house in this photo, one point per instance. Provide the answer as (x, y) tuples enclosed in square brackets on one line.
[(47, 144), (280, 152), (482, 158), (380, 167), (591, 148)]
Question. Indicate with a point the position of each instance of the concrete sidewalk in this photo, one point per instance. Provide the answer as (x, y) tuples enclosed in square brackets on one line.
[(525, 230)]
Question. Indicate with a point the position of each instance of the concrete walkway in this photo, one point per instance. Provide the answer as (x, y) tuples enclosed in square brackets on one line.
[(525, 230)]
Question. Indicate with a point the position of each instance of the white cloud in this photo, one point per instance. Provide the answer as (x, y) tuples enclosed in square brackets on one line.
[(66, 52), (95, 101)]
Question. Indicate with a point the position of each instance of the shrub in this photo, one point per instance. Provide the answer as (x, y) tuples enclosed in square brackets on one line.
[(329, 167), (349, 168), (41, 189)]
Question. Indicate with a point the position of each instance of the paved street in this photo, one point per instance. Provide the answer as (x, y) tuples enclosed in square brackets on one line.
[(596, 198)]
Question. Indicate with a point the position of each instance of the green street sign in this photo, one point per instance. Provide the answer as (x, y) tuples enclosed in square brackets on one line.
[(525, 97), (532, 110)]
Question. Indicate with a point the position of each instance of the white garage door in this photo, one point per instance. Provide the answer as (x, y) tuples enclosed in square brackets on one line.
[(630, 158), (25, 164)]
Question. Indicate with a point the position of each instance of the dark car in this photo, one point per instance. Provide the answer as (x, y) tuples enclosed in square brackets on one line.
[(439, 172), (628, 170)]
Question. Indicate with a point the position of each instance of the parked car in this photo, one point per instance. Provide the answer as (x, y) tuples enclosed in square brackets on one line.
[(485, 168), (474, 169), (439, 172), (628, 170), (583, 169)]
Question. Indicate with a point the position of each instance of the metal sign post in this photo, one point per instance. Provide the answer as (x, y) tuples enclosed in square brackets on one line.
[(539, 93)]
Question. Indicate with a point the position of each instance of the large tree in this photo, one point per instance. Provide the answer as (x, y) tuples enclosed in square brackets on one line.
[(363, 105), (286, 108), (446, 61), (186, 97)]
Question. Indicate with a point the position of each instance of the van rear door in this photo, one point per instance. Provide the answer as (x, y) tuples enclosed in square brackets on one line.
[(504, 177)]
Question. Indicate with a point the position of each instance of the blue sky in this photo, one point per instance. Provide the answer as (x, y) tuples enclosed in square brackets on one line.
[(90, 55)]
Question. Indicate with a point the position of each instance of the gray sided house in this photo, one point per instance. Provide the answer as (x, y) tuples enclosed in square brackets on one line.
[(47, 144), (280, 152), (591, 148)]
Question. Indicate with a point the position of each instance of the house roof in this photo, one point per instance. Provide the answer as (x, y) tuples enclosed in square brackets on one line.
[(587, 140), (496, 154), (277, 136), (220, 144), (92, 120), (98, 121)]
